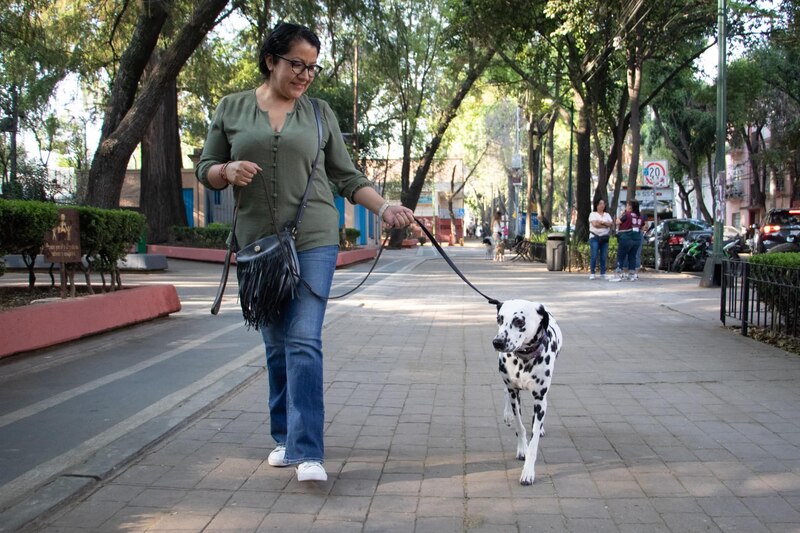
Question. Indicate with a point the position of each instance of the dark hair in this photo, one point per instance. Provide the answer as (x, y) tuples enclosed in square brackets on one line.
[(280, 39), (597, 202), (634, 206)]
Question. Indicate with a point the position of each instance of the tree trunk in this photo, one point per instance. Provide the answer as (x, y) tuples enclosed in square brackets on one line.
[(120, 138), (694, 177), (634, 92), (161, 197), (535, 154), (583, 172), (758, 197), (550, 164)]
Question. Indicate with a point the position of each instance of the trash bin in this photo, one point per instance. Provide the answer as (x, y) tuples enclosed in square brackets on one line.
[(555, 251), (141, 246)]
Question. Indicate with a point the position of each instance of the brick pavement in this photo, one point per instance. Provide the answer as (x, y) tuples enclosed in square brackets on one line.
[(658, 420)]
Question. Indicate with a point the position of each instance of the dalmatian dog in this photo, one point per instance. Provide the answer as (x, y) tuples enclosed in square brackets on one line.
[(488, 246), (528, 341)]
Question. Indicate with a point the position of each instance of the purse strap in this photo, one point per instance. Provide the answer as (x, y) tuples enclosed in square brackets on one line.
[(297, 219)]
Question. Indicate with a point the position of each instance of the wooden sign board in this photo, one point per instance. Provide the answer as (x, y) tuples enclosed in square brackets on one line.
[(62, 243)]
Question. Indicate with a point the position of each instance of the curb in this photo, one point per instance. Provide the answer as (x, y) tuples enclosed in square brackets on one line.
[(210, 255), (47, 324)]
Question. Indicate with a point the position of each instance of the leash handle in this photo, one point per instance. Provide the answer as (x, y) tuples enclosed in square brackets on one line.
[(453, 265)]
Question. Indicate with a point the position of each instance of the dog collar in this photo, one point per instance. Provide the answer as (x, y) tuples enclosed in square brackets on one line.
[(534, 350)]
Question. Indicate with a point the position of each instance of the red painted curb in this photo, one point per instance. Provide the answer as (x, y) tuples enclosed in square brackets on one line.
[(212, 255), (47, 324), (354, 256)]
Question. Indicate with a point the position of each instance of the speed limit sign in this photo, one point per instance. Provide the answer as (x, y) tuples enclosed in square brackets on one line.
[(655, 173)]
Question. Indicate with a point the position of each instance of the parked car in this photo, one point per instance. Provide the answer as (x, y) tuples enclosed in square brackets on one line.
[(669, 235), (780, 227)]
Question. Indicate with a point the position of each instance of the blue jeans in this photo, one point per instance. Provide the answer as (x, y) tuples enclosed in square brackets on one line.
[(294, 361), (627, 250), (598, 248)]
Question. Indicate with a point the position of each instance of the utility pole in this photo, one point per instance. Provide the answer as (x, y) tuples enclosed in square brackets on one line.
[(709, 278)]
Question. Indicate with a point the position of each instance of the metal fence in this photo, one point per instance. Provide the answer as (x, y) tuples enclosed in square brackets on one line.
[(761, 296)]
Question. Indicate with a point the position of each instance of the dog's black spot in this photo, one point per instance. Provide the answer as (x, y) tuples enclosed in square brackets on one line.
[(537, 408), (547, 372), (538, 360), (517, 374), (516, 361), (499, 320), (553, 346), (502, 368), (543, 391), (547, 360)]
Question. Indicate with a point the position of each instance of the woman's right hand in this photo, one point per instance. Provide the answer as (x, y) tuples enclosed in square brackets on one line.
[(240, 173)]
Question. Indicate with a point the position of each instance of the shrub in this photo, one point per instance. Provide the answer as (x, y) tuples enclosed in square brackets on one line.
[(215, 235), (776, 279), (352, 234)]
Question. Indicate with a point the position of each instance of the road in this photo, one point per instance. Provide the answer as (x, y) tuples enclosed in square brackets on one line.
[(73, 414)]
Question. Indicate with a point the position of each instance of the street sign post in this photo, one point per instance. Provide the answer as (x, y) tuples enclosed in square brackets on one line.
[(655, 174)]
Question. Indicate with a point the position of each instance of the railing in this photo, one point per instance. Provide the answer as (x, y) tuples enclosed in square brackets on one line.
[(761, 296)]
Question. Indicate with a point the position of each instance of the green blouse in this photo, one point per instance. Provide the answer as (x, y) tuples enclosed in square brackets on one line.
[(242, 131)]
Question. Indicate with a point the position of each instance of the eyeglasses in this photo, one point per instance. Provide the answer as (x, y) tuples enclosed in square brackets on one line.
[(298, 66)]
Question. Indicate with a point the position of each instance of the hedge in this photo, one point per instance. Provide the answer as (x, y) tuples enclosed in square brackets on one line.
[(776, 278), (106, 234), (215, 235)]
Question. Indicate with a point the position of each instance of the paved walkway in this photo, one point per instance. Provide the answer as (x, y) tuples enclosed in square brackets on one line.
[(659, 420)]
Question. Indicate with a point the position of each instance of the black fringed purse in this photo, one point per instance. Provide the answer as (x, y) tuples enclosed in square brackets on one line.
[(268, 269)]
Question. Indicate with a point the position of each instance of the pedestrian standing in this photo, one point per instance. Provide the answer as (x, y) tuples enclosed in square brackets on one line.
[(629, 235), (263, 142), (600, 224)]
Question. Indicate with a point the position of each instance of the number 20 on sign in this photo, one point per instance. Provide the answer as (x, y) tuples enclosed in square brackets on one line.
[(655, 173)]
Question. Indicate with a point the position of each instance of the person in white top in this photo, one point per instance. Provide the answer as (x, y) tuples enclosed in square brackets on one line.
[(497, 227), (600, 224)]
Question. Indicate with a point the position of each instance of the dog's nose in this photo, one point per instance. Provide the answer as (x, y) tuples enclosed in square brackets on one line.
[(498, 343)]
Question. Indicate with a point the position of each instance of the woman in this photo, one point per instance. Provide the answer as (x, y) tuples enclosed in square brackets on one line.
[(263, 142), (600, 224), (497, 227), (629, 234)]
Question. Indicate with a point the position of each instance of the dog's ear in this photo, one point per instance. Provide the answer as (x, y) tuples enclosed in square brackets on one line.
[(545, 323)]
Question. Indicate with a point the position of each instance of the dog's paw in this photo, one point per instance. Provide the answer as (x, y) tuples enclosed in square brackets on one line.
[(521, 455), (541, 432), (528, 476)]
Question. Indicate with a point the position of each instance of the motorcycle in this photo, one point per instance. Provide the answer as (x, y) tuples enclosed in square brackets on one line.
[(732, 248), (693, 255)]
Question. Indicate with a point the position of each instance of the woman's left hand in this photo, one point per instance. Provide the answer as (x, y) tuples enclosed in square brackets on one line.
[(398, 216)]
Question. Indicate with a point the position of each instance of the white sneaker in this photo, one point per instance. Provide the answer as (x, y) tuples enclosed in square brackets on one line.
[(311, 471), (635, 277), (278, 456), (615, 279), (591, 276)]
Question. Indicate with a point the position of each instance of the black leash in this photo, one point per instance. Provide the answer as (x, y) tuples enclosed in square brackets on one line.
[(449, 261), (374, 264)]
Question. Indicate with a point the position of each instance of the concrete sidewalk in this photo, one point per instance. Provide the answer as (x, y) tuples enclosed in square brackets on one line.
[(658, 419)]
